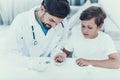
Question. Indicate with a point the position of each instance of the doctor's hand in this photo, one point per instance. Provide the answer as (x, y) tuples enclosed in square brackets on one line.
[(82, 62), (60, 57)]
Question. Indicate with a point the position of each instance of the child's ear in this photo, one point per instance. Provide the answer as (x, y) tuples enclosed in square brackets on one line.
[(100, 26)]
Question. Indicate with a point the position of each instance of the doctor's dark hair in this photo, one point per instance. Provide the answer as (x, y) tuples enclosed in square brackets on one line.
[(94, 12), (57, 8)]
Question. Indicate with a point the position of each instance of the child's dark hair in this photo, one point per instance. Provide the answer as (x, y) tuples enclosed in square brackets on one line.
[(94, 12)]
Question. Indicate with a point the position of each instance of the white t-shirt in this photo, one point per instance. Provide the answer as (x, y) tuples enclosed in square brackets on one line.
[(97, 48)]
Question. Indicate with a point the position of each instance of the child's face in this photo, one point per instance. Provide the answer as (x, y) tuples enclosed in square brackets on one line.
[(89, 28)]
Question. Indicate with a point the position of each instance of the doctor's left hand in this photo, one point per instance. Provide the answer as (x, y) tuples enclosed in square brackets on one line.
[(60, 57)]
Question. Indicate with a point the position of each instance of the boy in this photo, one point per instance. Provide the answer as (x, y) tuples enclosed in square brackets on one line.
[(88, 44)]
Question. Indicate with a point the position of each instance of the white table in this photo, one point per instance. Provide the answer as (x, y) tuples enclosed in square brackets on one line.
[(16, 68)]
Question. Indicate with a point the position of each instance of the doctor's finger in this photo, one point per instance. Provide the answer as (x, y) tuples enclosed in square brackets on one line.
[(57, 56), (58, 59)]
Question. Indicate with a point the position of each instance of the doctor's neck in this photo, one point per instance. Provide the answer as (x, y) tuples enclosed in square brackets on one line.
[(40, 18)]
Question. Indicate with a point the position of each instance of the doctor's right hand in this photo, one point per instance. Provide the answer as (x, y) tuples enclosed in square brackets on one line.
[(60, 57)]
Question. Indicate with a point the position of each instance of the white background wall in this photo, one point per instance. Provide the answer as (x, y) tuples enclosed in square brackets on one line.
[(10, 8)]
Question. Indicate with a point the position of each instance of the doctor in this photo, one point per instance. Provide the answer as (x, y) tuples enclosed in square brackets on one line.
[(37, 32)]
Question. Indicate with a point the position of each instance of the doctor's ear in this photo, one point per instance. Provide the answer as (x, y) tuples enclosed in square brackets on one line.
[(42, 9)]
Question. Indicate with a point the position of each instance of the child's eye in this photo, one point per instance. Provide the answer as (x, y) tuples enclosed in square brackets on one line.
[(89, 27), (83, 26)]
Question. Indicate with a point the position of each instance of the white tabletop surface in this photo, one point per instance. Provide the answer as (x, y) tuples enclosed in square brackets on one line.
[(21, 68)]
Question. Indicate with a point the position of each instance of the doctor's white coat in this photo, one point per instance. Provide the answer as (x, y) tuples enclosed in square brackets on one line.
[(21, 36)]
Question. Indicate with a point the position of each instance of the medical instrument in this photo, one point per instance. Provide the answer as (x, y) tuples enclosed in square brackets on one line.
[(34, 39), (62, 24), (33, 34)]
